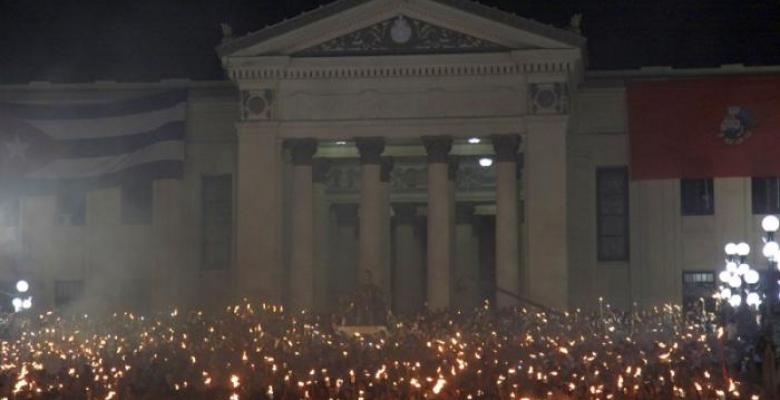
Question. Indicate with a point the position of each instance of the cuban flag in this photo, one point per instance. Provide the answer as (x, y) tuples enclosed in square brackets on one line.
[(44, 146)]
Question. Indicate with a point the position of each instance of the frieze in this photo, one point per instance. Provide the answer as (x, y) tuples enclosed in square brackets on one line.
[(401, 35), (410, 177)]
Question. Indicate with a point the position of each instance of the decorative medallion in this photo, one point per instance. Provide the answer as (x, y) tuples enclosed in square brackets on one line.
[(256, 104), (401, 35), (548, 98), (401, 32), (737, 125)]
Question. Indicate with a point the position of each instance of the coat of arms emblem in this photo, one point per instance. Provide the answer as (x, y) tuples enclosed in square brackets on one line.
[(400, 32), (737, 125)]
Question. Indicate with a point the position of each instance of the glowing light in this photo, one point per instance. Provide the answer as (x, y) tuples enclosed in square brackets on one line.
[(751, 277), (485, 162), (770, 223), (474, 140), (22, 286), (743, 249), (17, 303), (731, 267), (730, 248), (735, 300), (770, 249), (753, 299)]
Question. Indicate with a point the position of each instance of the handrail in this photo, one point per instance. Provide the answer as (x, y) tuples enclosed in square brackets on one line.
[(516, 296)]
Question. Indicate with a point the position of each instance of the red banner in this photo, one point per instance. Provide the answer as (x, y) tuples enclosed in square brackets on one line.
[(709, 127)]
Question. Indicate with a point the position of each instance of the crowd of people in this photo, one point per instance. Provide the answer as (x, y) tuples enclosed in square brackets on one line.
[(260, 351)]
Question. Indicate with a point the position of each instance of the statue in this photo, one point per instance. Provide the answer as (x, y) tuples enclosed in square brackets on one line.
[(227, 32), (575, 24)]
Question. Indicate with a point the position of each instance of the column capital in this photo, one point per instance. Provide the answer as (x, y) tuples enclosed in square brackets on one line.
[(438, 148), (405, 213), (385, 168), (452, 168), (346, 213), (506, 147), (370, 149), (301, 150), (320, 169), (464, 213)]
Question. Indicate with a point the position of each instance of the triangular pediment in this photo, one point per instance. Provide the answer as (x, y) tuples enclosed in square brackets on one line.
[(395, 27), (401, 35)]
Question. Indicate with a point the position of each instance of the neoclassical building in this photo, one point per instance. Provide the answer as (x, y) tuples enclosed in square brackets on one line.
[(441, 150)]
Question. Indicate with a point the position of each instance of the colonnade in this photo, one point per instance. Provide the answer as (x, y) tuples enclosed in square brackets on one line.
[(373, 220)]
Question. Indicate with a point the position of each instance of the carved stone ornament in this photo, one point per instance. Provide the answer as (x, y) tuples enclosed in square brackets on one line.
[(411, 177), (548, 98), (401, 35), (256, 104), (438, 148), (370, 149)]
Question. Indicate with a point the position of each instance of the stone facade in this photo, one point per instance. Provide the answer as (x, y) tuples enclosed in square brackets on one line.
[(348, 136)]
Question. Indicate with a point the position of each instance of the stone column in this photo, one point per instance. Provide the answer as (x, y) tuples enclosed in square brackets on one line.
[(386, 167), (452, 176), (439, 216), (341, 281), (507, 253), (258, 272), (322, 270), (302, 225), (467, 286), (370, 256), (545, 181), (409, 282)]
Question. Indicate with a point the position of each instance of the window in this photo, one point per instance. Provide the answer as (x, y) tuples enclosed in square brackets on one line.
[(766, 195), (698, 286), (137, 202), (217, 221), (66, 292), (9, 211), (71, 207), (697, 196), (612, 213)]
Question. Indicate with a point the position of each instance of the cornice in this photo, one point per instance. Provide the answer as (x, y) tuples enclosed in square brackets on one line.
[(434, 68)]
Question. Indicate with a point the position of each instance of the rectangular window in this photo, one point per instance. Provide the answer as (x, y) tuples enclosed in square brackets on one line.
[(71, 207), (698, 287), (766, 195), (217, 221), (612, 213), (697, 196), (66, 292), (9, 211), (137, 202)]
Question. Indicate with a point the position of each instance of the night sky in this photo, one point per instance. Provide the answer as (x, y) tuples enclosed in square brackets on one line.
[(148, 40)]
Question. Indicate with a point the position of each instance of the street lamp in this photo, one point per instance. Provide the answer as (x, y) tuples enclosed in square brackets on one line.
[(771, 250), (739, 280), (18, 300)]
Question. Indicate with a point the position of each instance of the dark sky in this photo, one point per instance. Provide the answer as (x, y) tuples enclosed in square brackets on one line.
[(142, 40)]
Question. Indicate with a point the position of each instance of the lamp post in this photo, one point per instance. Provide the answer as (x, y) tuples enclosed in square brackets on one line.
[(18, 301), (771, 251), (739, 281)]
